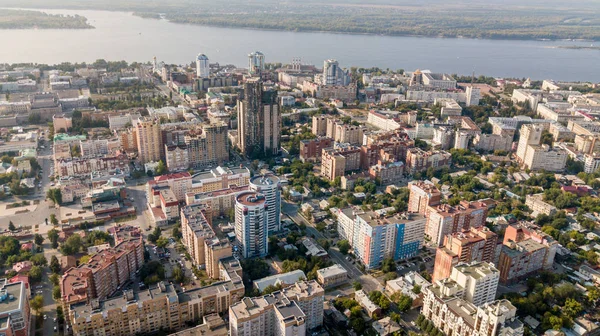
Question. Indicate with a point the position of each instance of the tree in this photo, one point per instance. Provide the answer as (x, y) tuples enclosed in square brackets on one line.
[(37, 304), (161, 169), (404, 303), (55, 195), (56, 292), (38, 239), (54, 265), (162, 242), (176, 233), (178, 274), (53, 237), (11, 226), (153, 237), (572, 308), (35, 274), (72, 245), (54, 279), (53, 219), (39, 260), (344, 246), (416, 289), (357, 285)]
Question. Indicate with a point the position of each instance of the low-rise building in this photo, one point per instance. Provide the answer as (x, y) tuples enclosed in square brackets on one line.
[(363, 300), (538, 206), (332, 276), (283, 279)]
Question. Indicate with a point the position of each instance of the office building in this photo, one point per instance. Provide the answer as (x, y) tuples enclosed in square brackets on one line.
[(270, 187), (476, 244), (259, 120), (179, 183), (256, 63), (251, 224), (148, 139), (422, 195), (14, 308), (445, 219), (293, 311), (202, 66)]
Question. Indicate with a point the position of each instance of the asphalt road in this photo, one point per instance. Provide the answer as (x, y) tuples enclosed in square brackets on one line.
[(368, 282)]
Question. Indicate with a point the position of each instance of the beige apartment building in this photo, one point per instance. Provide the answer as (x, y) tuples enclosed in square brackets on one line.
[(291, 311), (336, 162), (538, 206), (148, 139), (544, 157)]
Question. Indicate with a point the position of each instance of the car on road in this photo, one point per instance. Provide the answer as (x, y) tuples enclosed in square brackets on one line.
[(54, 328), (45, 317)]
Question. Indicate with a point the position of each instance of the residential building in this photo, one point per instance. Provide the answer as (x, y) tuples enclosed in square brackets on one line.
[(457, 317), (121, 121), (216, 250), (544, 157), (591, 163), (311, 150), (212, 325), (419, 160), (14, 308), (445, 219), (270, 187), (259, 120), (525, 251), (84, 167), (387, 173), (220, 178), (148, 139), (449, 107), (61, 123), (536, 203), (209, 147), (492, 142), (377, 237), (256, 63), (344, 133), (290, 312), (220, 202), (336, 162), (478, 280), (345, 228), (319, 125), (363, 300), (91, 148), (104, 274), (177, 158), (444, 137), (195, 230), (531, 134), (179, 183), (406, 285), (333, 75), (332, 276), (251, 224), (202, 66), (423, 194), (391, 120), (148, 311), (476, 244)]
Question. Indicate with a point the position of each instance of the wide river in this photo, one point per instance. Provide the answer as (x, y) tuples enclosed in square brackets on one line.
[(122, 36)]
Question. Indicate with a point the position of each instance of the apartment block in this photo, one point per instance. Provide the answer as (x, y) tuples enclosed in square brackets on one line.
[(292, 311), (103, 274), (336, 162), (148, 139), (195, 230), (418, 160), (387, 173), (457, 317), (445, 219), (524, 252), (14, 308), (476, 244), (377, 237), (345, 228), (538, 206), (311, 150), (154, 309), (478, 280), (390, 148), (84, 167), (492, 142), (422, 195), (544, 157), (220, 178), (319, 125), (177, 158), (344, 133), (220, 202), (179, 183), (209, 147)]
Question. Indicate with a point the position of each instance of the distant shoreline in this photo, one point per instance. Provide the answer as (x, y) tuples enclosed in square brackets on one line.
[(18, 19)]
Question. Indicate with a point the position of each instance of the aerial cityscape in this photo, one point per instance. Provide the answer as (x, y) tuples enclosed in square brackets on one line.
[(288, 197)]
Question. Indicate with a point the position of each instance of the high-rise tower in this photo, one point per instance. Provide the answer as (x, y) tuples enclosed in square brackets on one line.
[(256, 63), (269, 186), (251, 224), (202, 66), (259, 121)]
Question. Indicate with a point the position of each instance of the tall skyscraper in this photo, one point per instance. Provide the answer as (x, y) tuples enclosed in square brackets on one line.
[(259, 121), (202, 66), (333, 74), (256, 63), (149, 139), (269, 186), (251, 224)]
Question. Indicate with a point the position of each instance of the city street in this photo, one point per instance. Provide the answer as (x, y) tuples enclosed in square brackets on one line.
[(368, 282)]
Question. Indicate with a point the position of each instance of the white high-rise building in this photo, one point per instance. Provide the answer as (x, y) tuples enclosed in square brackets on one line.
[(251, 224), (531, 134), (333, 74), (270, 187), (479, 281), (202, 66), (256, 63)]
